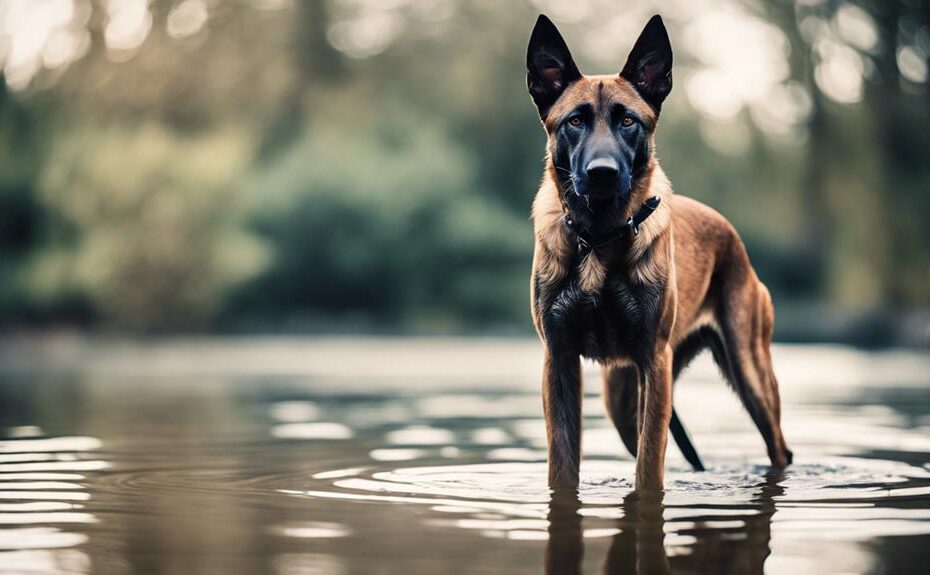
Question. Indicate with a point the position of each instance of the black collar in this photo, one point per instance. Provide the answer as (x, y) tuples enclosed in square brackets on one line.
[(588, 241)]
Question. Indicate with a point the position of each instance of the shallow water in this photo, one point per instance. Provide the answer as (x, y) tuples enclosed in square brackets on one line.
[(422, 456)]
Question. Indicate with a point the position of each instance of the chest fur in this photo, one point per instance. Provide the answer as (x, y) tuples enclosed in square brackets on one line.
[(616, 320)]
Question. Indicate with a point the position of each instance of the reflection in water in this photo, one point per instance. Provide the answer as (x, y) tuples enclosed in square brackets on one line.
[(313, 530), (117, 466), (308, 564), (39, 494), (639, 547), (719, 521), (717, 542), (69, 561), (312, 431), (565, 548)]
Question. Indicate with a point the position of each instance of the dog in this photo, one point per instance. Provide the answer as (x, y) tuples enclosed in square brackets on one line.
[(628, 274)]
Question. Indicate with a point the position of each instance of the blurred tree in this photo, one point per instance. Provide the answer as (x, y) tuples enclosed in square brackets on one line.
[(399, 242), (194, 164), (147, 243), (898, 105), (20, 215)]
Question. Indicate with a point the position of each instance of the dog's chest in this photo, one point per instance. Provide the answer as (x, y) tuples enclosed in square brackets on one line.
[(618, 321)]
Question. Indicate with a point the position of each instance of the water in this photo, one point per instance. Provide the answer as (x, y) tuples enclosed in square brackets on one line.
[(417, 456)]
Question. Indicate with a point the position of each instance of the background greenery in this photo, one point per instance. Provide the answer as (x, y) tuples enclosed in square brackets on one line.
[(351, 165)]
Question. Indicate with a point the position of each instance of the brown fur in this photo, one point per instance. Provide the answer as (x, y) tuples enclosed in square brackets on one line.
[(697, 259)]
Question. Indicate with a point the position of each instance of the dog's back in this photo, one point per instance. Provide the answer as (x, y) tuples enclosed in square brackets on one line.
[(708, 253)]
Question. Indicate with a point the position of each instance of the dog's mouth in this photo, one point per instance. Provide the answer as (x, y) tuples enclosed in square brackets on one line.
[(603, 191), (599, 197), (594, 202), (596, 211)]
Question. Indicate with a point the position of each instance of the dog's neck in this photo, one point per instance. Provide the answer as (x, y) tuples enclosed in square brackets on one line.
[(556, 246), (595, 216), (588, 240)]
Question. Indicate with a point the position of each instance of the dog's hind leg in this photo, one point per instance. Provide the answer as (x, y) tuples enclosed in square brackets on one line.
[(746, 323), (621, 395)]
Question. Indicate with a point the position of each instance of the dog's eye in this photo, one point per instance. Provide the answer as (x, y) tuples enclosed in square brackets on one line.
[(575, 121), (626, 122)]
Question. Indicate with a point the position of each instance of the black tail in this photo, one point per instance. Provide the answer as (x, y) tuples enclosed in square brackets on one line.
[(684, 442)]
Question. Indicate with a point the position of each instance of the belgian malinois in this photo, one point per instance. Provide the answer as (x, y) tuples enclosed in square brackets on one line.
[(627, 273)]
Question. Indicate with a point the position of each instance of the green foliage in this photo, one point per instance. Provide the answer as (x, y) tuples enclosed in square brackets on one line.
[(21, 215), (384, 224), (138, 232), (336, 165)]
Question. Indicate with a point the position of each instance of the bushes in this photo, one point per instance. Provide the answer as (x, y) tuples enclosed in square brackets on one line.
[(146, 228), (384, 226), (143, 225)]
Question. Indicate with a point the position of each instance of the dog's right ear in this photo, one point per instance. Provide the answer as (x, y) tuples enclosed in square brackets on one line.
[(549, 65)]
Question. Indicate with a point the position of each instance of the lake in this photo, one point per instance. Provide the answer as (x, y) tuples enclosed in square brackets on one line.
[(369, 455)]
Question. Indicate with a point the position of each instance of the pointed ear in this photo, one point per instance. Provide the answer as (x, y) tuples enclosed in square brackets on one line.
[(649, 66), (549, 65)]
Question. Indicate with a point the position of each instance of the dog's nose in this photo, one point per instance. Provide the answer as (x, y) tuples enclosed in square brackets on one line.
[(603, 169)]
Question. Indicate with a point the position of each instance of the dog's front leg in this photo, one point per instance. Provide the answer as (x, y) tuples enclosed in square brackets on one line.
[(561, 390), (656, 415)]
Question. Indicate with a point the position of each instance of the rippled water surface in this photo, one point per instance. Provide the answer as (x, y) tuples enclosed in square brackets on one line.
[(312, 456)]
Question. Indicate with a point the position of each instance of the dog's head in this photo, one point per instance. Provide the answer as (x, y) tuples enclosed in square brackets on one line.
[(600, 128)]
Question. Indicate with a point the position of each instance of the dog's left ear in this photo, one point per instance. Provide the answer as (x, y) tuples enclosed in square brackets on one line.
[(649, 66), (549, 65)]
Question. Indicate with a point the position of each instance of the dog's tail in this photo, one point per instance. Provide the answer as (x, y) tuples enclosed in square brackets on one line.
[(684, 442)]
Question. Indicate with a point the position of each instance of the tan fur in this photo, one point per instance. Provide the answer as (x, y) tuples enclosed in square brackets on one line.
[(591, 274), (698, 257), (585, 90), (553, 247)]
